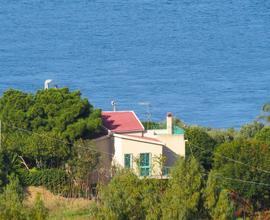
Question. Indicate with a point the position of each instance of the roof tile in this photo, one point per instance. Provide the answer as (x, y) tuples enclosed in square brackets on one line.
[(122, 122)]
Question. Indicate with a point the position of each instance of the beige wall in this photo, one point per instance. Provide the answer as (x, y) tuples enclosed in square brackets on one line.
[(174, 146), (126, 146), (115, 147), (104, 146)]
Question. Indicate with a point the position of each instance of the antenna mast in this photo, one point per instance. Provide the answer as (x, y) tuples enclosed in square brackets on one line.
[(113, 102), (148, 112)]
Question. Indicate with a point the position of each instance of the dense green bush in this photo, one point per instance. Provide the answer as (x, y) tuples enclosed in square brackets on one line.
[(200, 145), (11, 201), (128, 197), (53, 179), (263, 135)]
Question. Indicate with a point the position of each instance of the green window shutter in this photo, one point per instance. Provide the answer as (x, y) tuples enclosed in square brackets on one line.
[(145, 164), (127, 161), (165, 171)]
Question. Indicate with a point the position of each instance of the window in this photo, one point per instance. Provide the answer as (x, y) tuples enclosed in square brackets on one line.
[(165, 171), (145, 164), (128, 161)]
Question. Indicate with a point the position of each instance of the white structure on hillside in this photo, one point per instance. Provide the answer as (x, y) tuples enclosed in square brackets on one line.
[(129, 145)]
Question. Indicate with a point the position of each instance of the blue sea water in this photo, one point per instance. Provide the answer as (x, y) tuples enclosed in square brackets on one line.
[(206, 61)]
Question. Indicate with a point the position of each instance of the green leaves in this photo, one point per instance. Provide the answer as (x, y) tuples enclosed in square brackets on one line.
[(254, 157), (57, 110), (200, 145), (265, 115), (42, 127), (184, 196), (85, 158)]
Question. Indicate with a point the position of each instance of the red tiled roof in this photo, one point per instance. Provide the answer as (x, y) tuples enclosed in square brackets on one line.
[(121, 122)]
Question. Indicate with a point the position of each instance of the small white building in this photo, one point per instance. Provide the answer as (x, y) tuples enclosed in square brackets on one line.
[(148, 152)]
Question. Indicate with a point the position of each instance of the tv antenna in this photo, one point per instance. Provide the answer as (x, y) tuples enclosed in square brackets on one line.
[(113, 103), (148, 114)]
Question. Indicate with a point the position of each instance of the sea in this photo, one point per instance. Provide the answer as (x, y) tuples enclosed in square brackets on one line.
[(207, 62)]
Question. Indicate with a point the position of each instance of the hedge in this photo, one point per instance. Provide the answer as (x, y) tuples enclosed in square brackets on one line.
[(55, 180)]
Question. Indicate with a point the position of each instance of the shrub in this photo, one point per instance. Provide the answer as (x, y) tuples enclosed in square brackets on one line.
[(11, 201), (53, 179)]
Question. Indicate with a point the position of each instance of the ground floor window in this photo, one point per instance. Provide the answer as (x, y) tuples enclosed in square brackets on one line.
[(128, 161), (145, 164), (165, 171)]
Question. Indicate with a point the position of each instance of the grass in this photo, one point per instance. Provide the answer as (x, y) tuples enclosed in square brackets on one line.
[(59, 207)]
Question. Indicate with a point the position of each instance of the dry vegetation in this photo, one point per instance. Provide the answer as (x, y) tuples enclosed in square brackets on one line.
[(59, 207)]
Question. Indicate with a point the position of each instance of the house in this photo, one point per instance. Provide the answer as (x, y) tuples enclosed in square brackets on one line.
[(148, 152)]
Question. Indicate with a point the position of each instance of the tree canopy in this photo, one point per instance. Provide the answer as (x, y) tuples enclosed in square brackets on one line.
[(54, 110), (42, 127), (200, 145), (254, 157)]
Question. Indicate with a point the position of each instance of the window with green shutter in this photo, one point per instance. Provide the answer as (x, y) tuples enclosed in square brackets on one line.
[(165, 171), (128, 161), (145, 164)]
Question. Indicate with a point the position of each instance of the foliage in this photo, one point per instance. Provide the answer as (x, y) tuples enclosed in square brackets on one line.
[(39, 127), (221, 135), (200, 145), (265, 115), (128, 197), (256, 156), (217, 200), (39, 131), (263, 135), (39, 211), (85, 160), (224, 209), (250, 130), (123, 197), (46, 150), (184, 196), (154, 125), (53, 179), (153, 191), (11, 201), (57, 110)]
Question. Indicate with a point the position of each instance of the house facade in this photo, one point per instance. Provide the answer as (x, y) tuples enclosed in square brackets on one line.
[(150, 153)]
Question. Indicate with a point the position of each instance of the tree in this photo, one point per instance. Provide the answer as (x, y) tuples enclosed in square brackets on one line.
[(153, 191), (221, 135), (266, 110), (58, 110), (247, 161), (122, 197), (200, 145), (128, 197), (224, 209), (85, 159), (184, 196), (217, 200), (250, 130), (41, 128), (45, 150), (263, 135), (11, 201)]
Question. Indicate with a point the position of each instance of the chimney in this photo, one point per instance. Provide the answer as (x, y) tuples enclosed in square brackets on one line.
[(169, 123)]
